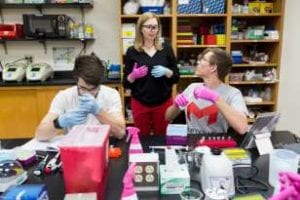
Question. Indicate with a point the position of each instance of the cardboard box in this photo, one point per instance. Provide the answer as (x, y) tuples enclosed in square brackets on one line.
[(189, 6), (128, 30), (127, 42), (213, 7), (266, 8), (254, 7)]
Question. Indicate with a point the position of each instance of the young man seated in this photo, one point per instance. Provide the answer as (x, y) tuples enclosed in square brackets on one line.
[(89, 102)]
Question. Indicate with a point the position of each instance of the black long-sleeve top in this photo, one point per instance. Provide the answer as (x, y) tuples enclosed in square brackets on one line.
[(149, 90)]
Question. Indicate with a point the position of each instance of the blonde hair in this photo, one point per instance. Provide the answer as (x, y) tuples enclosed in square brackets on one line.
[(139, 38)]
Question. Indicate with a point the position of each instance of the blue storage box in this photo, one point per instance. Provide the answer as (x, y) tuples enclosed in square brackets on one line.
[(214, 6), (153, 9), (193, 7), (237, 57)]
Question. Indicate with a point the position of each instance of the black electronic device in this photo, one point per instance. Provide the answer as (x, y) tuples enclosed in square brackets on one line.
[(45, 26), (265, 123)]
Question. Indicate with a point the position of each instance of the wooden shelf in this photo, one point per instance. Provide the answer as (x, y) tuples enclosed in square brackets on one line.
[(251, 82), (188, 76), (200, 15), (260, 103), (255, 15), (254, 65), (199, 46), (137, 16), (254, 41), (46, 5)]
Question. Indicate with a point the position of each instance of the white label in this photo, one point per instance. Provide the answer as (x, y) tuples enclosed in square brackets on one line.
[(181, 2)]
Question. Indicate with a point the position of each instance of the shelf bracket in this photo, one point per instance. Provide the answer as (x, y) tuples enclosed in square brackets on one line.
[(82, 15), (1, 16), (4, 46), (43, 42), (84, 44), (40, 9)]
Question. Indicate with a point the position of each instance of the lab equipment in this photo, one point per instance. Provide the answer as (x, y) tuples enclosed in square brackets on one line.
[(174, 177), (40, 167), (190, 194), (146, 171), (26, 192), (84, 156), (177, 134), (11, 174), (281, 160), (53, 164), (39, 72), (14, 72), (135, 144), (218, 142), (217, 175), (260, 132), (129, 192), (25, 156)]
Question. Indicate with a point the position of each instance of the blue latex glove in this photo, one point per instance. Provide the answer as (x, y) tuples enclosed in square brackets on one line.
[(72, 118), (159, 71), (89, 103)]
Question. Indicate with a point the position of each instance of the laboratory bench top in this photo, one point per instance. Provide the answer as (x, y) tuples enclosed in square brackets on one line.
[(117, 168)]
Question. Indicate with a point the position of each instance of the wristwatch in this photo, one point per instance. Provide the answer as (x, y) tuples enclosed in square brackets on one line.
[(56, 123)]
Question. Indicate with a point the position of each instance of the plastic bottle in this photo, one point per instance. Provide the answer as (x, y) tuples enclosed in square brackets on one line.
[(217, 175), (135, 144), (129, 192)]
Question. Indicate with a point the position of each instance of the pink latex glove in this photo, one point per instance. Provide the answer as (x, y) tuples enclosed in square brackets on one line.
[(138, 72), (206, 93), (180, 100), (290, 186)]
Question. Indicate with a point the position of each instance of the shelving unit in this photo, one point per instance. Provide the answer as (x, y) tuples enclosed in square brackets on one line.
[(272, 47), (40, 7)]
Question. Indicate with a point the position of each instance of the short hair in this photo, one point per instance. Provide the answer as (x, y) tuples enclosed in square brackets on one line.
[(139, 40), (90, 68), (221, 59)]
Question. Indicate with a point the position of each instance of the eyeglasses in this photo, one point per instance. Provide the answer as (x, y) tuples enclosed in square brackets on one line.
[(90, 90), (151, 27)]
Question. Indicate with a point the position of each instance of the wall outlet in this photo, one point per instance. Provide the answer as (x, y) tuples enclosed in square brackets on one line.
[(29, 59)]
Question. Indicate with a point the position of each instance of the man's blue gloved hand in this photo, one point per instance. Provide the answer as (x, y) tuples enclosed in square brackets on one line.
[(89, 103), (159, 71), (72, 118)]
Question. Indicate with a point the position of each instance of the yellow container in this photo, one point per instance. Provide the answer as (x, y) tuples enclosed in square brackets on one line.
[(266, 8), (254, 7), (221, 39)]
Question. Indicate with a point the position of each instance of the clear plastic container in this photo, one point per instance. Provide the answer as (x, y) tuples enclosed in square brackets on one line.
[(190, 194)]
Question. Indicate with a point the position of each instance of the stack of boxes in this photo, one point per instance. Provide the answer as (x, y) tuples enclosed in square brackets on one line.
[(128, 35), (189, 7), (201, 6), (260, 7), (185, 33)]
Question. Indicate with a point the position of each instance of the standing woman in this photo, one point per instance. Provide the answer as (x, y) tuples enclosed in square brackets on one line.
[(150, 72)]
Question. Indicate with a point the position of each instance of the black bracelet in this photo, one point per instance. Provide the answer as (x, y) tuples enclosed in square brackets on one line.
[(56, 123)]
